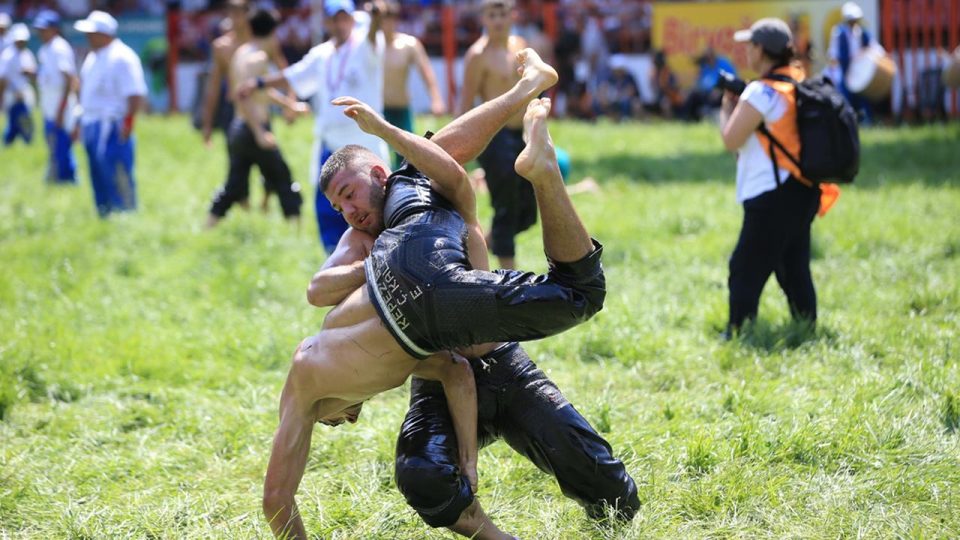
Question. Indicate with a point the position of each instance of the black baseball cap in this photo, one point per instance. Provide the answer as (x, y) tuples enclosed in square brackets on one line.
[(772, 34)]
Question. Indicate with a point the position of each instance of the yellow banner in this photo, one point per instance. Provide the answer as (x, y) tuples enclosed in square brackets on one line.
[(685, 30)]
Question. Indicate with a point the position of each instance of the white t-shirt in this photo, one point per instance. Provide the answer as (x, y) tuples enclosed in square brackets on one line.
[(56, 58), (327, 72), (13, 62), (108, 77), (754, 166)]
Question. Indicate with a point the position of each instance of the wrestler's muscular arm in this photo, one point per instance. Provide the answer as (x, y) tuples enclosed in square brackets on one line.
[(447, 176), (288, 459), (342, 272), (460, 389)]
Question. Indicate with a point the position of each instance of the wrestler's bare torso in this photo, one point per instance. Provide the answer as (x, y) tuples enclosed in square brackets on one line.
[(400, 55), (494, 68), (356, 350), (250, 61)]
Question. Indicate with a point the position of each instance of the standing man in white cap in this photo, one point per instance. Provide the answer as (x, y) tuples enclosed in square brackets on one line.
[(112, 90), (350, 63), (18, 69), (57, 80), (847, 40), (5, 22)]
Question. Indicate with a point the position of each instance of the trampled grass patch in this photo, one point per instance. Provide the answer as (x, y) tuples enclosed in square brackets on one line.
[(142, 357)]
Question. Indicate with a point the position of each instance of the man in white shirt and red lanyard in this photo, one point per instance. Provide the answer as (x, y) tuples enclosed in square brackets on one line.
[(57, 80), (112, 90), (350, 63)]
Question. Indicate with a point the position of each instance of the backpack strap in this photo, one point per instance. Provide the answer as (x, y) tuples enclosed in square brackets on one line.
[(774, 143)]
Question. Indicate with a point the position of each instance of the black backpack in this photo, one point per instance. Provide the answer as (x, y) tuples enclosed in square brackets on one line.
[(829, 137)]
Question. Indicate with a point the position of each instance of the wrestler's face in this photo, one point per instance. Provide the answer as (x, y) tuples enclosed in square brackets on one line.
[(389, 22), (358, 193), (497, 20), (350, 414)]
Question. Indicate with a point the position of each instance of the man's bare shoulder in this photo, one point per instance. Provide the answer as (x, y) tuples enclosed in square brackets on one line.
[(309, 366), (225, 44), (516, 43), (478, 48), (405, 41)]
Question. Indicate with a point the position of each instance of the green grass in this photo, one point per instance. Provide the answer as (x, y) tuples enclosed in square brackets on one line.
[(142, 357)]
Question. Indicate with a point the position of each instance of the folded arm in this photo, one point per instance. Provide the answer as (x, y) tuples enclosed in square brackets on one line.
[(454, 373), (342, 272)]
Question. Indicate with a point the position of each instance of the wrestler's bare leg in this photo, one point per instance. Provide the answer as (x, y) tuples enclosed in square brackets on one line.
[(466, 136), (474, 523), (565, 239)]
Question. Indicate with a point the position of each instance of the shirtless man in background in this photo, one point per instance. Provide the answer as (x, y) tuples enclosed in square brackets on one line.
[(404, 51), (249, 138), (217, 84), (223, 49), (490, 69)]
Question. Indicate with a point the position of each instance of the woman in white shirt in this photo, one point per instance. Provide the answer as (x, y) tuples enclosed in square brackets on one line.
[(779, 204)]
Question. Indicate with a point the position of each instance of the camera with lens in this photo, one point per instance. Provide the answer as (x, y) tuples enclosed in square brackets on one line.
[(729, 82)]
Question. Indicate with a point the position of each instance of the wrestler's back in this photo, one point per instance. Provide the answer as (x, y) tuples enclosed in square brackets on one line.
[(356, 351)]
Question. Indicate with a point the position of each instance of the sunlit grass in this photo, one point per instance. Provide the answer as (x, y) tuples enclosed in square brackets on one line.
[(142, 356)]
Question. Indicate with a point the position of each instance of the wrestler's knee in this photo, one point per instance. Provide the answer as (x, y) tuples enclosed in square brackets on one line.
[(619, 500), (586, 278), (438, 493)]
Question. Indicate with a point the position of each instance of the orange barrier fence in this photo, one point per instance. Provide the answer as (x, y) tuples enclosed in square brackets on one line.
[(919, 34)]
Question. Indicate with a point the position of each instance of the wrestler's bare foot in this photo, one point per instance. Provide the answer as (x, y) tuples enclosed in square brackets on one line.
[(534, 69), (538, 160)]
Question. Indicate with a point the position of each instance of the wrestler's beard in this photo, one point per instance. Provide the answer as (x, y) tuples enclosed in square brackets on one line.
[(377, 197)]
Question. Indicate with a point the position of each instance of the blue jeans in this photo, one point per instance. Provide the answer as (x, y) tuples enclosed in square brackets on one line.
[(62, 165), (19, 124), (111, 167), (330, 223)]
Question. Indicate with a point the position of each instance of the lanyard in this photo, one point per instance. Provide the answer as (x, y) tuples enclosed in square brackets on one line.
[(347, 51)]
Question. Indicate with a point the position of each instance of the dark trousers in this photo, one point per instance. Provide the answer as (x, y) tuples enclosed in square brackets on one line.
[(514, 203), (519, 404), (244, 154), (775, 238)]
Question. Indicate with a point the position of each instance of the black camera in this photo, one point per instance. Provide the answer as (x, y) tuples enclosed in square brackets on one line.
[(731, 83)]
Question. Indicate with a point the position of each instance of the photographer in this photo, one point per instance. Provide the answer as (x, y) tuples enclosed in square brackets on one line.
[(779, 204)]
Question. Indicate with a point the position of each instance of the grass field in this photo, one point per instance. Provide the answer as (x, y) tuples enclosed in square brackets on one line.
[(142, 357)]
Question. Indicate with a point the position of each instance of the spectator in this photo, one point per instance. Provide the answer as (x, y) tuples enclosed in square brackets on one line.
[(705, 95), (617, 94), (18, 69), (847, 40), (490, 69), (350, 63), (402, 52), (57, 79), (665, 86), (112, 91)]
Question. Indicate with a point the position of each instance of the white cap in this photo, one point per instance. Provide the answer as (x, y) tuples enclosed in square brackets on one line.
[(5, 20), (851, 12), (19, 32), (99, 22)]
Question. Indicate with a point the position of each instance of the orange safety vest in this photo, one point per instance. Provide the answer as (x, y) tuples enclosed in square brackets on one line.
[(785, 129)]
